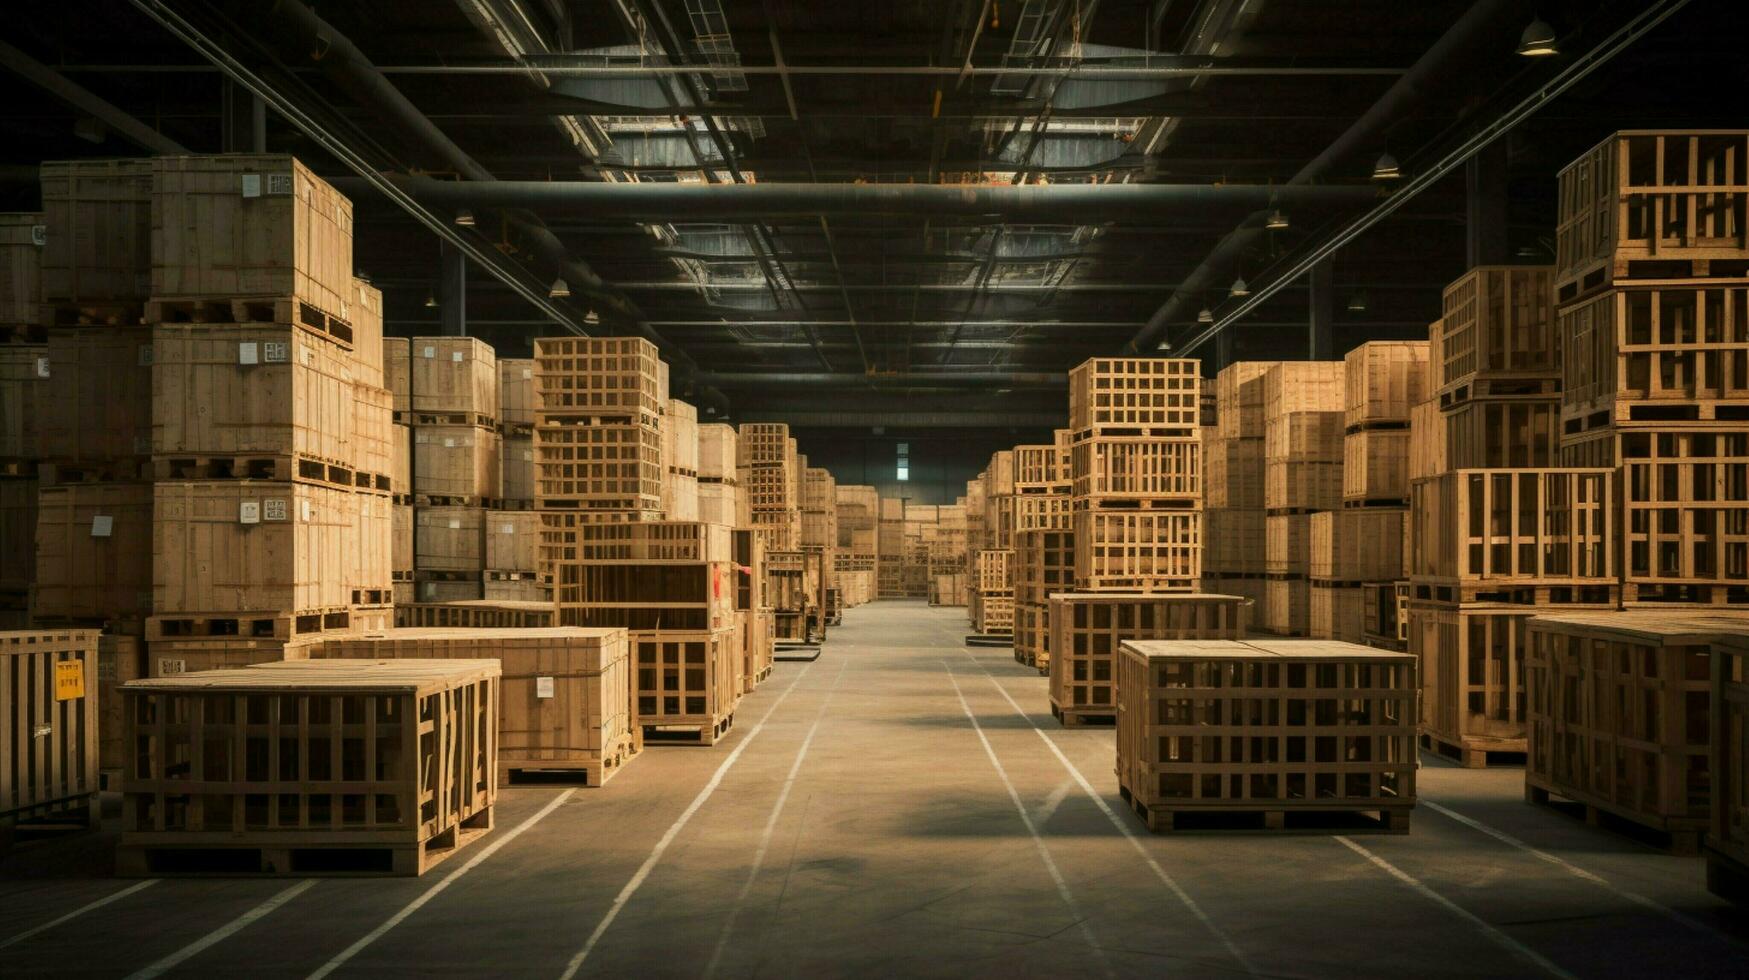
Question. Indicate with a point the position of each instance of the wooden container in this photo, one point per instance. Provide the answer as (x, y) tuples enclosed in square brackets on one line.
[(1037, 469), (1288, 544), (1360, 544), (1334, 612), (605, 467), (48, 700), (22, 237), (476, 614), (565, 699), (1650, 205), (1619, 714), (1472, 660), (377, 446), (613, 379), (995, 571), (1291, 387), (370, 551), (517, 403), (226, 547), (455, 464), (97, 217), (1138, 550), (512, 540), (649, 575), (93, 552), (24, 376), (1235, 474), (97, 401), (758, 646), (1302, 467), (516, 468), (283, 233), (1136, 469), (1489, 433), (449, 539), (993, 614), (171, 656), (1287, 605), (1236, 541), (385, 767), (398, 373), (717, 451), (1383, 380), (1498, 335), (1190, 715), (1239, 399), (454, 380), (401, 548), (1136, 396), (1086, 630), (1043, 564), (688, 683), (1375, 465), (1545, 527), (1727, 843)]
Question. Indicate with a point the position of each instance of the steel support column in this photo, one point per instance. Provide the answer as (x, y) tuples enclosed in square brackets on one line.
[(242, 120), (1320, 335), (452, 292), (1485, 206)]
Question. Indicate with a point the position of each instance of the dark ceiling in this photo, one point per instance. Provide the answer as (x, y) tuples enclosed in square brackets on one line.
[(898, 314)]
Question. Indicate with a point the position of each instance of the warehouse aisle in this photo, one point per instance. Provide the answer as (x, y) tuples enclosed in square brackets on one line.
[(905, 805)]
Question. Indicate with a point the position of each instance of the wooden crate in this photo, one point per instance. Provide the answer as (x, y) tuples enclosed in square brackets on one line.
[(171, 656), (516, 468), (1335, 612), (1235, 473), (1360, 544), (401, 545), (378, 450), (688, 683), (1472, 660), (1292, 387), (1086, 630), (384, 767), (1137, 395), (97, 403), (49, 706), (1239, 399), (1727, 843), (1188, 725), (1375, 465), (995, 571), (944, 590), (565, 696), (24, 383), (1490, 433), (1038, 468), (1619, 714), (721, 503), (1138, 550), (1032, 635), (449, 539), (477, 614), (1287, 605), (398, 373), (517, 403), (454, 379), (993, 613), (1546, 527), (1136, 471), (97, 216), (619, 379), (93, 552), (512, 540), (22, 237), (1652, 205), (1383, 380), (644, 576), (367, 334), (588, 467), (1043, 563), (120, 658), (1498, 335), (18, 515), (1427, 441), (1288, 544), (283, 232), (1236, 541), (1302, 468), (370, 551), (718, 447), (1042, 512), (1385, 615), (455, 464)]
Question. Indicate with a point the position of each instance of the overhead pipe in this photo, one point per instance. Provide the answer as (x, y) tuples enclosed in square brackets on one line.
[(1446, 55), (911, 379), (1080, 203)]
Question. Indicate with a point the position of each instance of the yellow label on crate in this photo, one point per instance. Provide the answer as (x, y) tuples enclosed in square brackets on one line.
[(69, 680)]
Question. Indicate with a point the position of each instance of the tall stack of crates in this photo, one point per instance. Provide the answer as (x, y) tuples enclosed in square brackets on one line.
[(1044, 544), (1303, 414), (1233, 514), (24, 366), (516, 409), (397, 375), (1357, 551), (993, 600), (1502, 534), (680, 461), (721, 498), (947, 546), (768, 471), (921, 528), (1652, 288), (453, 419), (857, 511), (819, 501), (890, 542)]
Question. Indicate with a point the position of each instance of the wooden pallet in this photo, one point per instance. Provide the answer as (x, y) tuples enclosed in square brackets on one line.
[(248, 624), (1476, 753), (1683, 839), (1303, 819), (251, 309), (703, 733), (1078, 718), (297, 855)]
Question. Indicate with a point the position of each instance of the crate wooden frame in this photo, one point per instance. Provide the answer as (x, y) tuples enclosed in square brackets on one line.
[(1135, 470), (427, 732), (1252, 726), (1547, 526), (1137, 394), (1130, 550), (1498, 325), (475, 614), (619, 379), (686, 682), (1382, 381), (1499, 433), (49, 758), (586, 466), (1087, 628)]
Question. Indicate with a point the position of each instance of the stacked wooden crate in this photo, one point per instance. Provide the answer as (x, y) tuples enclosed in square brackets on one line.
[(1087, 628), (721, 498), (819, 500), (23, 383), (49, 757), (680, 461), (768, 470), (453, 420), (516, 411), (890, 545), (754, 617), (920, 531), (1233, 514), (1044, 544), (1652, 289), (993, 594), (948, 542), (1357, 551), (857, 511), (1727, 842), (1303, 413)]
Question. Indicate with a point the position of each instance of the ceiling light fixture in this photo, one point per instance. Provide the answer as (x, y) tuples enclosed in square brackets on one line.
[(1164, 345), (465, 218), (1206, 315), (431, 301), (1277, 221), (1239, 288), (1386, 168), (1357, 302), (559, 290), (1538, 40)]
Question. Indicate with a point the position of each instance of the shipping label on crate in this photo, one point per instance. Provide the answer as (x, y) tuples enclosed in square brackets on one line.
[(543, 687), (273, 509), (69, 680), (102, 526), (249, 512), (248, 352), (169, 666), (42, 367), (276, 352)]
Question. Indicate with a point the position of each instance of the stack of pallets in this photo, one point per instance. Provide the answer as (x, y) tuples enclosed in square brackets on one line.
[(1044, 544)]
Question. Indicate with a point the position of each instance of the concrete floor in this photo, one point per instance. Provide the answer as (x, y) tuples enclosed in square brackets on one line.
[(906, 805)]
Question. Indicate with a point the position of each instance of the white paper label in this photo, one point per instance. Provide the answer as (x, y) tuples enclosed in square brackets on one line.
[(449, 443), (506, 529), (455, 524), (455, 356), (527, 373), (251, 185), (273, 509), (39, 235), (248, 352), (276, 352), (145, 355), (528, 455), (430, 352), (543, 687), (42, 367), (309, 510), (102, 526), (249, 512), (308, 356)]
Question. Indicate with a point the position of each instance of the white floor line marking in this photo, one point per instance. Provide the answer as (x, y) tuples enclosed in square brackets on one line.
[(643, 872), (416, 904), (1499, 938), (1031, 828), (1048, 808), (789, 782), (1123, 827), (1578, 872), (81, 910), (223, 932)]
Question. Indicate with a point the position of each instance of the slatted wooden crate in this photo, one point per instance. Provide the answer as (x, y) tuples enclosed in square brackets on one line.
[(1239, 399), (995, 571), (97, 218), (477, 614), (1356, 545), (1498, 336), (688, 683), (97, 403), (49, 711), (1337, 720), (1291, 387), (1472, 657), (1335, 612), (1652, 205), (1134, 471), (1375, 466), (517, 403), (449, 539), (1043, 563), (1619, 714), (24, 370), (22, 237), (1147, 551), (93, 552), (1032, 635), (309, 767), (454, 381), (1490, 433), (993, 613), (565, 695), (1037, 468), (758, 633), (1287, 605), (1727, 843), (1383, 380), (455, 464), (398, 373), (1302, 466), (587, 467), (1543, 527), (945, 589), (512, 540), (1086, 630), (610, 378), (1385, 615), (1136, 396), (644, 576)]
